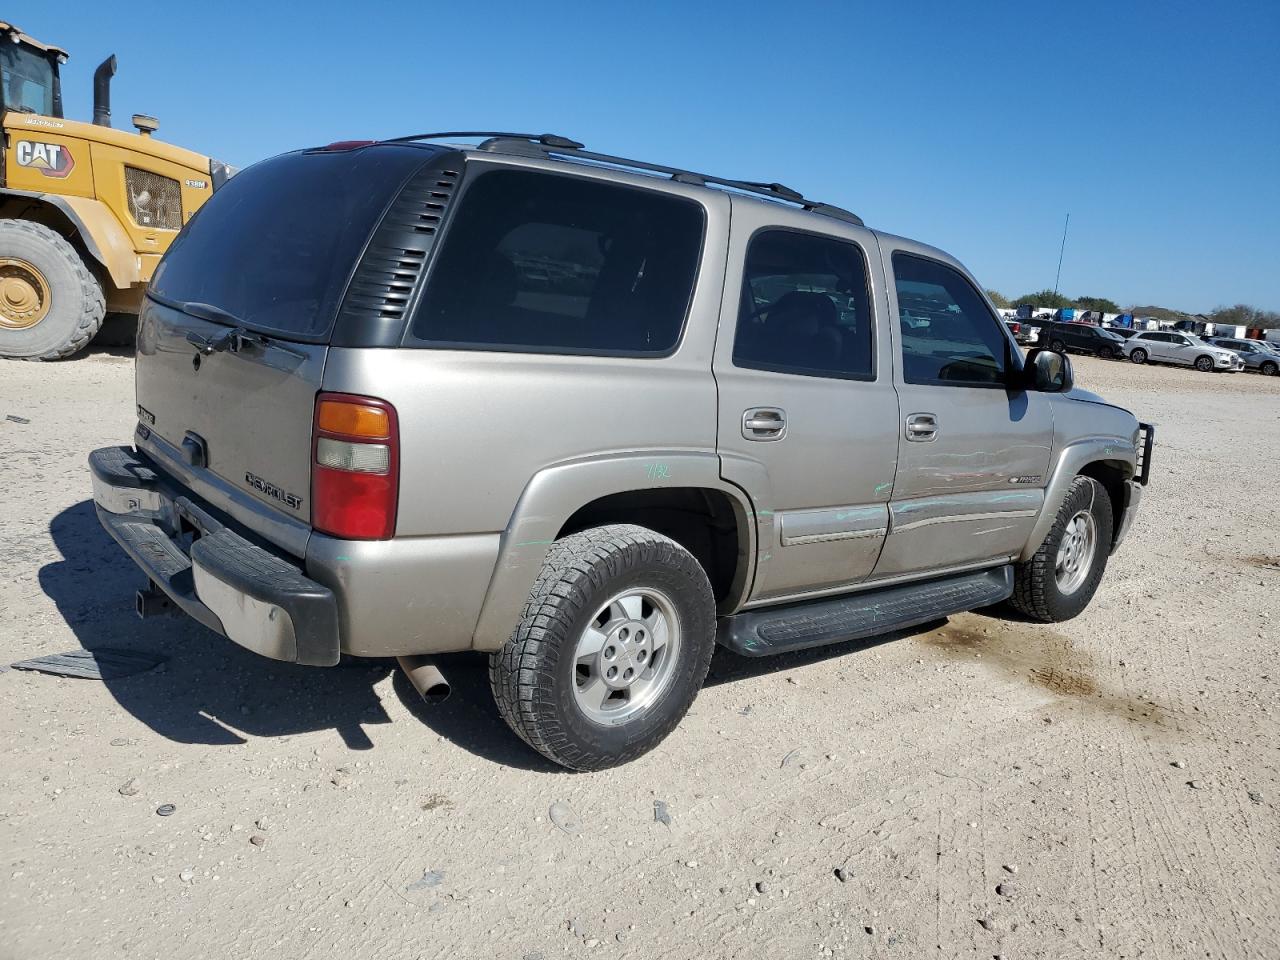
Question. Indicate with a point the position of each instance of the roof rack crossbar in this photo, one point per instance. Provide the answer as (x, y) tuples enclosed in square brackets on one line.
[(554, 145)]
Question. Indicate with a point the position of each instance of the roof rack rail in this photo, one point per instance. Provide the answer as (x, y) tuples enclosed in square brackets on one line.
[(545, 139), (554, 144)]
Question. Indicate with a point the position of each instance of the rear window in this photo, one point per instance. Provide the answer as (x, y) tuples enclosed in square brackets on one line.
[(274, 246), (537, 262)]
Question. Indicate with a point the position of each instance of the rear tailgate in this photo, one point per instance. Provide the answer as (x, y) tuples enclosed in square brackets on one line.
[(243, 415), (236, 327)]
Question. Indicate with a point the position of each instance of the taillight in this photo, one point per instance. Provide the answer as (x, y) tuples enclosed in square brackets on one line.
[(355, 467)]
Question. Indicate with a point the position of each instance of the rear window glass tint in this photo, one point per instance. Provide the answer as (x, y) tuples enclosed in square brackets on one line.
[(275, 245), (537, 262)]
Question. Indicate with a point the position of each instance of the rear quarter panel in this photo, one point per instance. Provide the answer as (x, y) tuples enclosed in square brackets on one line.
[(479, 427)]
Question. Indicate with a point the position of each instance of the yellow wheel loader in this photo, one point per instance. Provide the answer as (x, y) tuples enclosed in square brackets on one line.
[(85, 210)]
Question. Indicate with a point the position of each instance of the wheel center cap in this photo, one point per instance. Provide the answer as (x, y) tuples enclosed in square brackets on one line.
[(625, 654)]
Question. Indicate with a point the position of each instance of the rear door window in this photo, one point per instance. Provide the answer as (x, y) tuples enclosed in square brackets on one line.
[(544, 263), (805, 307), (949, 336)]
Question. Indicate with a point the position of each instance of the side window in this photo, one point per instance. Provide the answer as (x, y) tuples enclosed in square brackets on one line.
[(948, 335), (805, 307), (542, 263)]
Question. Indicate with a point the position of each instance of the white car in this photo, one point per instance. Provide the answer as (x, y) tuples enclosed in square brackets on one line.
[(1169, 346)]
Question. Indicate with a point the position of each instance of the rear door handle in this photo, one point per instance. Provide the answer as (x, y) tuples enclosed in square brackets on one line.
[(764, 423), (922, 427)]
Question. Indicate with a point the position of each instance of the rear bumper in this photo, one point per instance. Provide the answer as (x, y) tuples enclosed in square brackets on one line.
[(232, 585)]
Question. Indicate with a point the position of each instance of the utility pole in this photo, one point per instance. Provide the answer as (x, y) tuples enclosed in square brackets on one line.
[(1061, 251)]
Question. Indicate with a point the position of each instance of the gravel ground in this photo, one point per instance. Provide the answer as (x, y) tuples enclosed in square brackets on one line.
[(1104, 787)]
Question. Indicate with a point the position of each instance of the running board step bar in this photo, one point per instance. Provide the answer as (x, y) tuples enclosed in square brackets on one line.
[(815, 623)]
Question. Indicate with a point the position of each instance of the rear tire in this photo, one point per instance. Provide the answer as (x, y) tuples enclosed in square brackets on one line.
[(51, 305), (1057, 346), (1138, 355), (1058, 582), (599, 591), (1204, 363)]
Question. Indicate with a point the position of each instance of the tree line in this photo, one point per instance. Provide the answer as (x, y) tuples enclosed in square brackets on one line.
[(1240, 314)]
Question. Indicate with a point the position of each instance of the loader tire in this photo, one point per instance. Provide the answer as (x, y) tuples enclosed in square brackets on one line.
[(51, 305)]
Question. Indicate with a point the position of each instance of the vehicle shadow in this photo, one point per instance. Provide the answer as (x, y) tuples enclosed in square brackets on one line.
[(210, 691), (469, 718), (729, 667)]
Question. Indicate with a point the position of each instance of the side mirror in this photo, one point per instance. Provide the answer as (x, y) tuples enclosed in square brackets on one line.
[(1048, 372)]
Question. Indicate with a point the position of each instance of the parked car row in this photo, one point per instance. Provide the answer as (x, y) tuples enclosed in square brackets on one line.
[(1260, 355), (1168, 346), (1208, 354)]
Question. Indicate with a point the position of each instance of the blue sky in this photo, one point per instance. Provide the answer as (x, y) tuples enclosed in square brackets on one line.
[(972, 126)]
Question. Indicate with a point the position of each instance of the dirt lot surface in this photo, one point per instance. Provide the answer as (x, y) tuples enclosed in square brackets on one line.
[(1104, 787)]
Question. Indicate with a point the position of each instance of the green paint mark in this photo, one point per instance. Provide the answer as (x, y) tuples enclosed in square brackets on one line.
[(344, 559), (657, 471), (881, 487), (534, 543), (764, 513)]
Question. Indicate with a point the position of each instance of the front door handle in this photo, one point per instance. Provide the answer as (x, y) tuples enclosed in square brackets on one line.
[(922, 427), (764, 423)]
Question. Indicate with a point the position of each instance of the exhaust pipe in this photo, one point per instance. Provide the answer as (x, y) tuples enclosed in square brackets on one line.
[(425, 677), (102, 91)]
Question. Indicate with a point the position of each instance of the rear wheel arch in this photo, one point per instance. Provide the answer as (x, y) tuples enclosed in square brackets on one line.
[(709, 523), (664, 486)]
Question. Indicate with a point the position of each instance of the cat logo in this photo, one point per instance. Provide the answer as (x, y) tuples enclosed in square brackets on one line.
[(51, 159)]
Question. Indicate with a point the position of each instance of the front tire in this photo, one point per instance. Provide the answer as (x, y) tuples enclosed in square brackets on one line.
[(50, 304), (1204, 364), (1138, 355), (1058, 582), (1107, 353), (1269, 369), (1057, 346), (613, 645)]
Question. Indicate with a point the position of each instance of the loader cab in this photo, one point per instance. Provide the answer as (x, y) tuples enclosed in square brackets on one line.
[(29, 78)]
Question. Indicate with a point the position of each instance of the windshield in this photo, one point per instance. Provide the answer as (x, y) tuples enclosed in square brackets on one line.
[(27, 78), (1109, 335)]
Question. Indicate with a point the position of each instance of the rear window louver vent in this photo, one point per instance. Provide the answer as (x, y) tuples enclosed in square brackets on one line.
[(379, 292)]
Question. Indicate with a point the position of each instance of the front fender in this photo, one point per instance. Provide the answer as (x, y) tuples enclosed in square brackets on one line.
[(1072, 459), (556, 493)]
